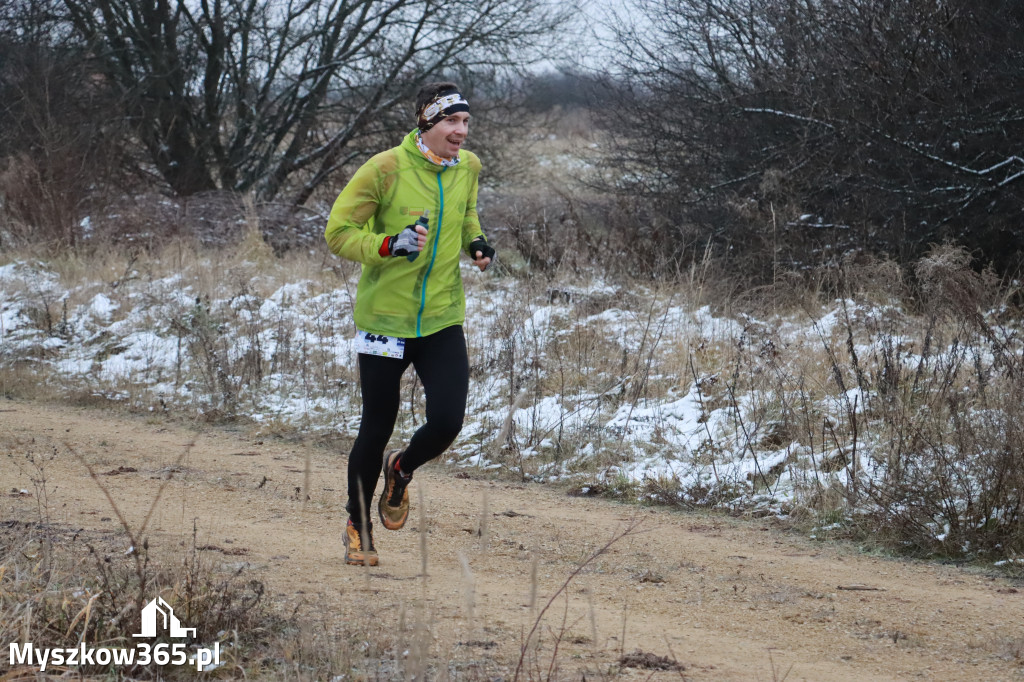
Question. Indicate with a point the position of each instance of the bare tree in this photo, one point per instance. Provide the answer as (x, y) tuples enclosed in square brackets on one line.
[(57, 146), (273, 96), (869, 124)]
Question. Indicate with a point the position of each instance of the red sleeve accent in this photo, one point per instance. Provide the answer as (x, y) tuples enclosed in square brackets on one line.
[(385, 248)]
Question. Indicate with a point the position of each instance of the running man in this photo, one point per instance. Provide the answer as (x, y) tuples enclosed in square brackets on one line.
[(406, 215)]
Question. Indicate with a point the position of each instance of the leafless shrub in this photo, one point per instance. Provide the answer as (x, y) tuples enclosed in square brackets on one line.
[(944, 430), (212, 219), (58, 148), (545, 229), (801, 131), (209, 346)]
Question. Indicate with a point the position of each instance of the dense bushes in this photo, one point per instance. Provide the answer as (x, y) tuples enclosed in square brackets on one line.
[(804, 128)]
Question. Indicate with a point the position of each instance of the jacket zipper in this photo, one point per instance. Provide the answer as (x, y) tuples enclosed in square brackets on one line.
[(433, 254)]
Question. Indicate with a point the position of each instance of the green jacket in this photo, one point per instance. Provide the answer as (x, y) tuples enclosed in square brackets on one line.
[(397, 297)]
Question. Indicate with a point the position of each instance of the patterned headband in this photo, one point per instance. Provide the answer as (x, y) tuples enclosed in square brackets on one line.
[(441, 107)]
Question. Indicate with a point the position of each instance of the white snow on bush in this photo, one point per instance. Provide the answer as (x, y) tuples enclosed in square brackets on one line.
[(589, 385)]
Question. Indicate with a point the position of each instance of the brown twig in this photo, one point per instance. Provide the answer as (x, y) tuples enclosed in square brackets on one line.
[(630, 528), (132, 535)]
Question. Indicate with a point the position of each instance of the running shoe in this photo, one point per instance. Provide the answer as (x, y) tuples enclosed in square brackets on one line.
[(394, 501), (358, 552)]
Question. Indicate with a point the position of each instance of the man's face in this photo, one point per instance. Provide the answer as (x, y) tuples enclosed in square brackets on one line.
[(446, 137)]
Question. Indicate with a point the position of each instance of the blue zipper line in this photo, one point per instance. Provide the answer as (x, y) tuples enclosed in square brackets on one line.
[(433, 255)]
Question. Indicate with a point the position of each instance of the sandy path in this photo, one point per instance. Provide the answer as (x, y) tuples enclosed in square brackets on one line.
[(731, 600)]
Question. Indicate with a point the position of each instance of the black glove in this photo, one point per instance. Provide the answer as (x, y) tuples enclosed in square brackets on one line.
[(486, 250), (405, 242)]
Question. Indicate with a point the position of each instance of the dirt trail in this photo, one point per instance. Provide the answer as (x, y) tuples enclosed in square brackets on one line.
[(729, 600)]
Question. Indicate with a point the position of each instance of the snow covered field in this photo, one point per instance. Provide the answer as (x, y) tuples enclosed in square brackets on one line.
[(852, 408)]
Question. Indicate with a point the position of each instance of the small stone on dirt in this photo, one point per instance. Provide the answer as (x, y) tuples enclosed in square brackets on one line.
[(649, 661), (121, 470)]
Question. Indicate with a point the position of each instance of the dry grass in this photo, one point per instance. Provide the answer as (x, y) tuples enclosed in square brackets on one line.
[(61, 587), (860, 396), (891, 421), (790, 382)]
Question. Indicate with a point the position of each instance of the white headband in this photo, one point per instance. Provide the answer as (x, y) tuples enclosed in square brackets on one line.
[(437, 108)]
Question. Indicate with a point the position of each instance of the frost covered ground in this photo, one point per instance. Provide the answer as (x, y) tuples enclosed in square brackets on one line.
[(849, 407)]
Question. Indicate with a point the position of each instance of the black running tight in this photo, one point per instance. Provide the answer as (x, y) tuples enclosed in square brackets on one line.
[(441, 362)]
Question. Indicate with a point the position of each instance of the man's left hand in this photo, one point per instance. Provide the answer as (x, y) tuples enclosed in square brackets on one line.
[(482, 253)]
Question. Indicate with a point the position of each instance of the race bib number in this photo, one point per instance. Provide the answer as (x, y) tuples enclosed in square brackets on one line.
[(378, 344)]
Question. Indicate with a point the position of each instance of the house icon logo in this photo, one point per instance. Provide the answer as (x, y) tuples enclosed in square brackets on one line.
[(158, 612)]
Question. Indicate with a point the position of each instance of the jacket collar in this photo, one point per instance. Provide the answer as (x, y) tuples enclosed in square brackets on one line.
[(409, 145)]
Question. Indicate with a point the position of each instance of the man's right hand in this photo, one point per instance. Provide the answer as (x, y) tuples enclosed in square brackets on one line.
[(410, 240)]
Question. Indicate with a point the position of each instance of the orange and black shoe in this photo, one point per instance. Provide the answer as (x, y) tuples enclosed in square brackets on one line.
[(394, 501), (359, 550)]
